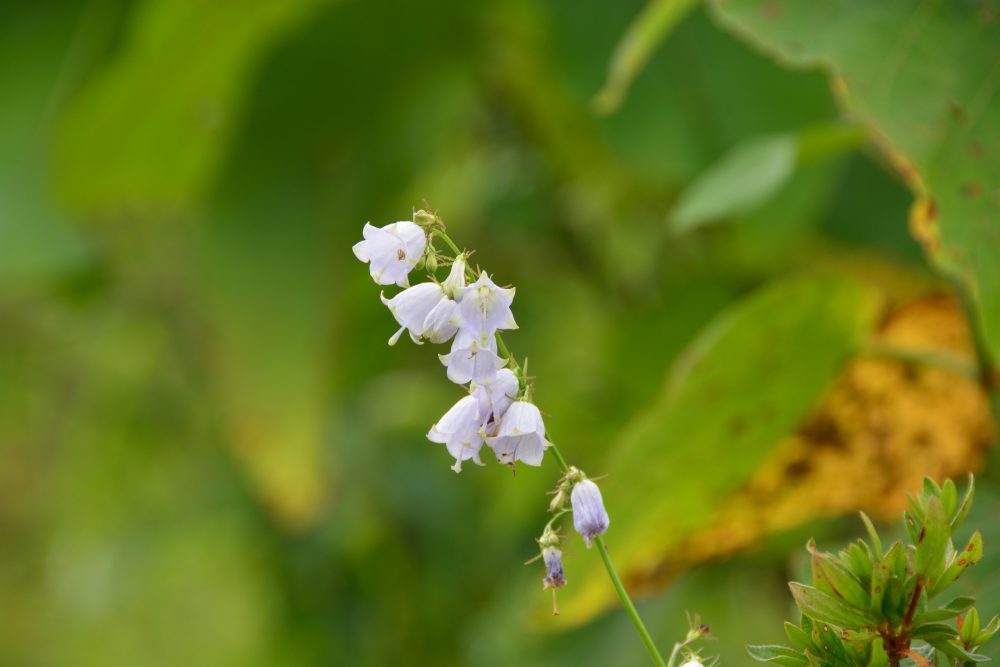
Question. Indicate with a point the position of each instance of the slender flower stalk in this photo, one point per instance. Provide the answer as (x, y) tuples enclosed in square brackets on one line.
[(498, 410)]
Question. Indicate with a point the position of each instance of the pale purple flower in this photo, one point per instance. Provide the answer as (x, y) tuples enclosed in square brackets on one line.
[(460, 430), (441, 323), (392, 251), (554, 576), (412, 307), (521, 436), (472, 361), (589, 516), (485, 308), (496, 397)]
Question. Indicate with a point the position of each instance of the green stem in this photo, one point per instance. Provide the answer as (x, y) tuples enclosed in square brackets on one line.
[(559, 457), (627, 601), (447, 239), (672, 660)]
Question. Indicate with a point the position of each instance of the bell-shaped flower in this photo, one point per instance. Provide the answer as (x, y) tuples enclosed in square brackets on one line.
[(555, 577), (392, 251), (496, 397), (442, 321), (472, 361), (589, 516), (485, 308), (521, 436), (460, 431), (411, 308)]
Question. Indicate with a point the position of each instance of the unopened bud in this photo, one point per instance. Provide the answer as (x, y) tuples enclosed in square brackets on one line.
[(970, 627), (455, 281), (431, 262), (558, 500), (589, 516), (425, 218)]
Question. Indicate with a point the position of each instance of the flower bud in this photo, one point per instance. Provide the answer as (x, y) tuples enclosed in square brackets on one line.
[(969, 631), (431, 263), (589, 516), (558, 500), (455, 281), (693, 662), (425, 218), (554, 577)]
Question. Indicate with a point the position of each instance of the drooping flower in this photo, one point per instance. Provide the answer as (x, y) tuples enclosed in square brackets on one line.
[(460, 431), (693, 662), (521, 436), (485, 308), (443, 320), (472, 361), (496, 397), (589, 516), (412, 307), (392, 251), (555, 577)]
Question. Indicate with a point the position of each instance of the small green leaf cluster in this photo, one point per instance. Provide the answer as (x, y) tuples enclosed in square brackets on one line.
[(874, 607)]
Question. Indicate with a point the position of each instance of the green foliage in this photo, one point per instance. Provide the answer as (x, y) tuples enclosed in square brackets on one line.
[(188, 100), (871, 608), (923, 76), (714, 403), (209, 456), (741, 179)]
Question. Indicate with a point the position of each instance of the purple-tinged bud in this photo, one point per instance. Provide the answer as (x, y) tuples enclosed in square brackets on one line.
[(589, 516), (555, 577)]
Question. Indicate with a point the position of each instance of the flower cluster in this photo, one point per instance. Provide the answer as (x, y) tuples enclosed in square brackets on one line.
[(497, 409)]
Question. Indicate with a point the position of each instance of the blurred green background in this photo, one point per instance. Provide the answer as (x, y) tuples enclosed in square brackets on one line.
[(757, 253)]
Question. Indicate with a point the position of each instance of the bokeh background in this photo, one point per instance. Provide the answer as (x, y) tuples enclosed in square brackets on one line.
[(756, 247)]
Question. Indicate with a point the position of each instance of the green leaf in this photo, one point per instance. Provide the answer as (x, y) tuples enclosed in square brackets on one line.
[(830, 577), (779, 655), (951, 610), (37, 240), (894, 602), (879, 658), (929, 631), (987, 633), (860, 557), (649, 29), (934, 537), (797, 636), (923, 77), (828, 638), (880, 581), (949, 497), (955, 650), (963, 509), (796, 332), (159, 117), (741, 179), (961, 561), (873, 536), (827, 609)]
